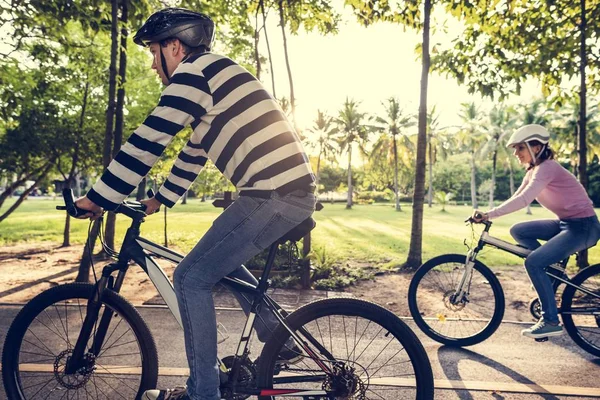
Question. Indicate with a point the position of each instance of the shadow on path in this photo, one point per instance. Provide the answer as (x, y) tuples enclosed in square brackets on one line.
[(38, 281), (451, 356)]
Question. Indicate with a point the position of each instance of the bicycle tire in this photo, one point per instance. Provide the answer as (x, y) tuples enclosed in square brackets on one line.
[(38, 343), (590, 279), (411, 356), (447, 323)]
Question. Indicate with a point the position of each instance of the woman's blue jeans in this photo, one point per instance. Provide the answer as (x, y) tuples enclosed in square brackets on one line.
[(243, 230), (563, 238)]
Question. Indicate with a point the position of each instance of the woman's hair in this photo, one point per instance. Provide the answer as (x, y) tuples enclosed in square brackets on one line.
[(546, 154)]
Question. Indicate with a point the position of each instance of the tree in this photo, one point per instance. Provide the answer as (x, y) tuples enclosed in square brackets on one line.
[(408, 13), (472, 139), (394, 123), (501, 123), (353, 131), (505, 43), (324, 139)]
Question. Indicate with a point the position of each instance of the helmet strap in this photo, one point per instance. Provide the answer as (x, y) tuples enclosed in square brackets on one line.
[(163, 63), (535, 157)]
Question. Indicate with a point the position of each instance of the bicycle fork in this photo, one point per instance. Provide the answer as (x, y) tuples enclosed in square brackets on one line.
[(465, 282), (80, 358)]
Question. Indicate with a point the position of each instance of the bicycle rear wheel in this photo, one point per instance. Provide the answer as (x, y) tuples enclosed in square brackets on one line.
[(581, 311), (42, 338), (372, 354), (455, 322)]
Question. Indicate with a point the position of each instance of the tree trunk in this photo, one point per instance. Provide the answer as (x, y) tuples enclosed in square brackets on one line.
[(398, 208), (84, 265), (582, 260), (416, 233), (511, 175), (494, 158), (141, 190), (256, 40), (473, 182), (111, 220), (166, 238), (26, 193), (184, 199), (349, 202), (73, 172), (264, 14), (287, 63), (318, 177), (430, 169), (83, 275), (18, 182), (67, 231)]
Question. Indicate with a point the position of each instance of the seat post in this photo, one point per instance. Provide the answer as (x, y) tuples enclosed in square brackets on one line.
[(262, 284)]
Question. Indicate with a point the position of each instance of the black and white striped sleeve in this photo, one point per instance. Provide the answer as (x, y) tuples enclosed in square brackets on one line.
[(183, 101), (188, 165)]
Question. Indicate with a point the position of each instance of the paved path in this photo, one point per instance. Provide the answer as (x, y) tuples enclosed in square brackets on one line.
[(506, 366)]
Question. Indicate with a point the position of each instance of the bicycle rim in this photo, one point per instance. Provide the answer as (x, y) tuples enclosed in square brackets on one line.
[(456, 321), (581, 311), (372, 354), (48, 328)]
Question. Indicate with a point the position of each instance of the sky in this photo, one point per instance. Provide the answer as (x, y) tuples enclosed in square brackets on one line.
[(369, 65)]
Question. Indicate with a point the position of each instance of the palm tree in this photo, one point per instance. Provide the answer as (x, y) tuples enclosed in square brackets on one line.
[(393, 124), (352, 130), (437, 142), (324, 139), (472, 139), (501, 124)]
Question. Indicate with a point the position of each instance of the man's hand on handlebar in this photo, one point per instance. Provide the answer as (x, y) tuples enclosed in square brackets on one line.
[(94, 210), (152, 205), (479, 216)]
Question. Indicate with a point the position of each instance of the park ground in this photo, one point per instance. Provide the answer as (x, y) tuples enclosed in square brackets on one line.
[(369, 238)]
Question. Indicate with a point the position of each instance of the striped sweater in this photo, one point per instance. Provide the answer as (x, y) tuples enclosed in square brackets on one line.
[(236, 124)]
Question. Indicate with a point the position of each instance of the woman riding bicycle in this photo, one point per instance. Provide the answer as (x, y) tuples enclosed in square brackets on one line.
[(577, 227)]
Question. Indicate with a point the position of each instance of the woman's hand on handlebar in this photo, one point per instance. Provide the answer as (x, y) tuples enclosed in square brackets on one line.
[(94, 210), (479, 216), (152, 205)]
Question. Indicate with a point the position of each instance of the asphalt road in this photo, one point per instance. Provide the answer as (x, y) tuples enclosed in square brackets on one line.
[(498, 368)]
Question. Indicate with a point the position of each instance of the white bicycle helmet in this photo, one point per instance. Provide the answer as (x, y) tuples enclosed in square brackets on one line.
[(528, 133)]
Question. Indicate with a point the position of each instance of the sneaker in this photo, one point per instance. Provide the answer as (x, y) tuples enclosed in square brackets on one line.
[(542, 329), (289, 355), (179, 393)]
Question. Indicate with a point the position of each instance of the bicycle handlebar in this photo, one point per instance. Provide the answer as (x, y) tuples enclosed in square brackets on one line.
[(132, 209)]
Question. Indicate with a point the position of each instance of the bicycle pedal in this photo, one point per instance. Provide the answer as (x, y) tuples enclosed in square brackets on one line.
[(542, 339)]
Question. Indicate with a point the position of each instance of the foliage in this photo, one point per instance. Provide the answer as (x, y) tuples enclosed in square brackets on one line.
[(505, 43)]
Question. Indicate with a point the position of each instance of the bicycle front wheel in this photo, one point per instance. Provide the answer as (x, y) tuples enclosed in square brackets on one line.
[(444, 317), (359, 351), (581, 310), (42, 337)]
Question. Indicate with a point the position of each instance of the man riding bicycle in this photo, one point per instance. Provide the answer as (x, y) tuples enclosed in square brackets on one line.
[(240, 127)]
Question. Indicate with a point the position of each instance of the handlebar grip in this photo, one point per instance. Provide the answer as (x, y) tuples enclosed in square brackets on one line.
[(70, 206)]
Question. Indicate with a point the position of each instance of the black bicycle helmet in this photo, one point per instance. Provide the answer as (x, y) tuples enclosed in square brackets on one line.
[(191, 28)]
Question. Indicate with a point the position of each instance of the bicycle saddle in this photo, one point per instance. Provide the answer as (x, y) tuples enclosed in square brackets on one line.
[(299, 231)]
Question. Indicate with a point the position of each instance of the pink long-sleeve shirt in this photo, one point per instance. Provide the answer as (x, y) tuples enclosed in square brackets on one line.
[(554, 188)]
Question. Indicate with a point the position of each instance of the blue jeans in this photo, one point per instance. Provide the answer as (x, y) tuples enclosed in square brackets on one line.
[(243, 230), (563, 238)]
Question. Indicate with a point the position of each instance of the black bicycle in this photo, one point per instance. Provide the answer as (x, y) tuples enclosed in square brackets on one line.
[(458, 301), (87, 341)]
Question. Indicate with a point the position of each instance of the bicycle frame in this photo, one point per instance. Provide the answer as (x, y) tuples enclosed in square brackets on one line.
[(141, 250), (487, 240)]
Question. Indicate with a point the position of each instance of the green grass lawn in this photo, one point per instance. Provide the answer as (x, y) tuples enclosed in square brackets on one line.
[(373, 234)]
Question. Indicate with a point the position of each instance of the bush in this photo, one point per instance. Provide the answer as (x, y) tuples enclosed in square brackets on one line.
[(374, 196)]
